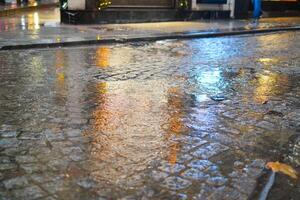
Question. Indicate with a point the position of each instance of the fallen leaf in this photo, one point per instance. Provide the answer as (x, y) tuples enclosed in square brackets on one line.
[(281, 167)]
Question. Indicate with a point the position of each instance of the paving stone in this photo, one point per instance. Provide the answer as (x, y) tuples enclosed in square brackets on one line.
[(238, 164), (33, 168), (71, 149), (131, 182), (6, 127), (40, 178), (204, 192), (1, 176), (191, 144), (200, 164), (183, 158), (244, 185), (258, 163), (20, 150), (147, 192), (5, 160), (26, 159), (15, 183), (234, 174), (8, 142), (8, 134), (41, 151), (253, 172), (227, 193), (230, 114), (5, 196), (74, 133), (30, 136), (74, 153), (195, 174), (58, 165), (179, 196), (86, 183), (62, 144), (176, 183), (266, 125), (54, 187), (8, 166), (210, 150), (216, 181), (230, 130), (49, 198), (51, 136), (77, 156), (158, 175), (33, 192), (213, 170), (171, 168)]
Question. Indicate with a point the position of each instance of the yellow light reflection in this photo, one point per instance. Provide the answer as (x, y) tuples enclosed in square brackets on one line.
[(176, 105), (130, 128), (36, 20), (32, 3), (36, 69), (268, 85), (267, 62), (60, 77), (59, 59), (33, 21), (175, 124), (106, 120), (173, 152), (30, 22), (60, 82), (102, 114), (102, 57)]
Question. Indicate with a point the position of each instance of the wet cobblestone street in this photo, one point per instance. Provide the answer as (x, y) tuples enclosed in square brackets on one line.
[(190, 119)]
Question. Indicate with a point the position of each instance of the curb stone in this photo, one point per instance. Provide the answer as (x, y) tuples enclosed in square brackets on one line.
[(148, 38)]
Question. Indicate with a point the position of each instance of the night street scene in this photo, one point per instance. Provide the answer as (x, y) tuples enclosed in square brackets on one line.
[(149, 99)]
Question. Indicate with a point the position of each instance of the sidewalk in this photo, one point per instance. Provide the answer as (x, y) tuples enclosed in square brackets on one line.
[(42, 29)]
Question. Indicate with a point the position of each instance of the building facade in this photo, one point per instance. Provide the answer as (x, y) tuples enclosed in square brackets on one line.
[(124, 11), (193, 4)]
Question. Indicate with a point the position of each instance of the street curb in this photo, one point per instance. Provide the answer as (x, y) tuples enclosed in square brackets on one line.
[(8, 12), (147, 38)]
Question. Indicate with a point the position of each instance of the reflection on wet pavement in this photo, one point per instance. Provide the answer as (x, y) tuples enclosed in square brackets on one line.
[(29, 21), (268, 85), (138, 122)]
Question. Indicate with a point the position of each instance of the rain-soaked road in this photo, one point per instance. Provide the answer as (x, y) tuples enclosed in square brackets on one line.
[(195, 119)]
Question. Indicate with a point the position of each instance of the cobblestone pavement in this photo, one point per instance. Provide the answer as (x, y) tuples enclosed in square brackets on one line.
[(44, 27), (193, 119)]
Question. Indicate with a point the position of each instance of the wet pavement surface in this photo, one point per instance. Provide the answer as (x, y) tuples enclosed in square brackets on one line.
[(194, 119), (43, 27)]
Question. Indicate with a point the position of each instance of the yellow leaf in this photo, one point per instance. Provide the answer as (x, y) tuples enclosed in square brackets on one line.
[(281, 167)]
